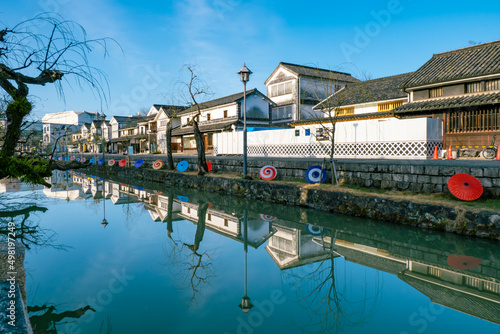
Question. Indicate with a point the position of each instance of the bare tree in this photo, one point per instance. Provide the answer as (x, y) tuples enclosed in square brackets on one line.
[(196, 88), (32, 55), (330, 92)]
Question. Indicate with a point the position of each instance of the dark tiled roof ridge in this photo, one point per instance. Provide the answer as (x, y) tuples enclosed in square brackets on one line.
[(315, 68), (466, 48), (382, 78)]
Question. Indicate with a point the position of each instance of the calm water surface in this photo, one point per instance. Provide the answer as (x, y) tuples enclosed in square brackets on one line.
[(109, 257)]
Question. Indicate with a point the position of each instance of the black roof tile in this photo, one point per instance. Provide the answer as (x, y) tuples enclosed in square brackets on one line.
[(469, 62), (380, 89), (450, 103)]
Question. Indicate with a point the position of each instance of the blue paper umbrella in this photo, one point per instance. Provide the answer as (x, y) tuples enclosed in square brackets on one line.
[(100, 161), (139, 163), (315, 174), (182, 166)]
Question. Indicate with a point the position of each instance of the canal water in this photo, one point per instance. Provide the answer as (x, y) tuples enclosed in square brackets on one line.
[(109, 257)]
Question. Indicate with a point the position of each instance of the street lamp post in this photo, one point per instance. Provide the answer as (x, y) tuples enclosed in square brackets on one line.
[(244, 76)]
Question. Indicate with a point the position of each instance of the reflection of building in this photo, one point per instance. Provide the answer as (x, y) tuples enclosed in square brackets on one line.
[(230, 225), (63, 187), (472, 294), (293, 247), (9, 185), (472, 288), (158, 208)]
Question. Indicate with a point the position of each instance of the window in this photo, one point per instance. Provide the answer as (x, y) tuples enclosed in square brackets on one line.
[(308, 132), (281, 89), (284, 112), (493, 84), (297, 133), (226, 222), (225, 113), (209, 216), (189, 210), (389, 105), (163, 123), (344, 111), (208, 117), (321, 134), (435, 92), (473, 87), (484, 119), (187, 120)]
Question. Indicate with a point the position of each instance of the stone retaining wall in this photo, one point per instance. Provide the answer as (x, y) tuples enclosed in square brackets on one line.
[(414, 176), (460, 220)]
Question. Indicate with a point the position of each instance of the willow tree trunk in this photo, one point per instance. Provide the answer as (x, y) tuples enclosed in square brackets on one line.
[(200, 148), (16, 111), (170, 160)]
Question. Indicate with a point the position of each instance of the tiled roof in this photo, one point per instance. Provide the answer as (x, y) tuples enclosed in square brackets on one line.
[(327, 120), (449, 295), (450, 102), (218, 126), (319, 72), (381, 89), (223, 100), (171, 110), (472, 61)]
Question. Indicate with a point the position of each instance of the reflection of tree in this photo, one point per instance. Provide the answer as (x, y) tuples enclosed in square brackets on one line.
[(26, 231), (46, 322), (196, 268), (328, 299)]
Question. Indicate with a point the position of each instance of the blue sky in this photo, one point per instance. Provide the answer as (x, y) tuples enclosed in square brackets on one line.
[(365, 38)]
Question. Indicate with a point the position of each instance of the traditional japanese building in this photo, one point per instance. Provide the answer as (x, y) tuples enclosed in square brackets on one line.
[(462, 88)]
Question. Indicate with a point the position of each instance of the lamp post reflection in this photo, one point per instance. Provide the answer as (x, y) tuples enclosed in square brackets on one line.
[(104, 221), (245, 305)]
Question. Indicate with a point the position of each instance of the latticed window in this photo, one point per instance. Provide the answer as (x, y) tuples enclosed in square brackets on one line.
[(389, 105), (493, 84), (492, 287), (473, 120), (473, 87), (435, 92), (344, 111)]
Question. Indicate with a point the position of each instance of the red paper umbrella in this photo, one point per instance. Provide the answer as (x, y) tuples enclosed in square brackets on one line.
[(111, 162), (463, 262), (465, 187), (122, 162)]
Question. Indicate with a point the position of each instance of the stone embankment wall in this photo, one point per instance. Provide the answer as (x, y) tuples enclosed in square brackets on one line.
[(415, 176), (461, 220)]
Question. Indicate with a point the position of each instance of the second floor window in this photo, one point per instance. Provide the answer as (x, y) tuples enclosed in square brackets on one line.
[(493, 84), (281, 89), (225, 113), (389, 105), (344, 111), (208, 117), (435, 92), (473, 87)]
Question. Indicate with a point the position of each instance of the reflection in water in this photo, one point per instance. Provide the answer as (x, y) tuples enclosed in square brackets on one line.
[(45, 323), (309, 248)]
